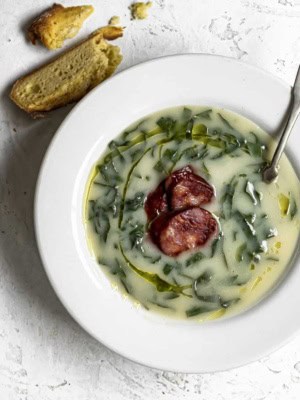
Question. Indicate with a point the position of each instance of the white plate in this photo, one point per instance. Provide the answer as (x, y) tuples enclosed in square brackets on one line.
[(147, 338)]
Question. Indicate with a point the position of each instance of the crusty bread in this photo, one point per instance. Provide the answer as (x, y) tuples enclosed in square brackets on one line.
[(57, 24), (70, 76)]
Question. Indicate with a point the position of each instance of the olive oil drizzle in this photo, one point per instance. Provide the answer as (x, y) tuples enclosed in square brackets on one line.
[(160, 284)]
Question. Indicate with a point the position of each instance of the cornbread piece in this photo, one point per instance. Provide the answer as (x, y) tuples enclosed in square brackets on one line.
[(57, 24), (115, 20), (70, 76), (139, 10)]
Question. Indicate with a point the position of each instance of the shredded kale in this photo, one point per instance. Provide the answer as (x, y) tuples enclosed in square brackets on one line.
[(195, 258), (136, 202), (204, 114), (168, 268), (166, 123), (136, 237)]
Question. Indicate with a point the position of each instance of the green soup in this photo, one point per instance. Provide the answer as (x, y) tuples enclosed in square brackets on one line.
[(258, 223)]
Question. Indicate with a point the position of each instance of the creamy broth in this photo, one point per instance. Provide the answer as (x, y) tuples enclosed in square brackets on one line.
[(258, 224)]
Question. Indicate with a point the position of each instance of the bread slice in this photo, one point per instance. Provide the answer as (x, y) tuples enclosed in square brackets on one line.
[(70, 76), (57, 24)]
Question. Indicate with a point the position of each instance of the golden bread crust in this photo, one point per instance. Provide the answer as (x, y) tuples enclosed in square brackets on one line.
[(57, 24)]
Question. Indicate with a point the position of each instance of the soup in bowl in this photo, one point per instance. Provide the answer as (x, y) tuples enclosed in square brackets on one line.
[(178, 217)]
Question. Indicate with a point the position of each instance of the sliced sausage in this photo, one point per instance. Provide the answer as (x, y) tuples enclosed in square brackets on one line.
[(177, 231), (156, 202), (186, 189)]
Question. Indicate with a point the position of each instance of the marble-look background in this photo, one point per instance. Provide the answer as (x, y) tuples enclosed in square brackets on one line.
[(44, 354)]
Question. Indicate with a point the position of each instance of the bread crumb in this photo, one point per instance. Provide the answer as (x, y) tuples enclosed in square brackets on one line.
[(110, 32), (139, 10), (115, 20)]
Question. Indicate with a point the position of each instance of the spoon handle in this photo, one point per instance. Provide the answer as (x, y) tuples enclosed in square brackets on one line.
[(295, 110)]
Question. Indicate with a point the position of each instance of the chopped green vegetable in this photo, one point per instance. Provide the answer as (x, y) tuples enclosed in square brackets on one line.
[(254, 149), (214, 246), (126, 186), (240, 252), (168, 268), (167, 161), (213, 298), (109, 173), (230, 280), (225, 122), (186, 114), (139, 139), (113, 145), (134, 155), (203, 279), (158, 304), (101, 223), (166, 123), (195, 258), (189, 128), (109, 203), (204, 114), (227, 198), (246, 223), (117, 269), (194, 153), (136, 237), (293, 207), (271, 232), (135, 128), (192, 312), (152, 259), (91, 209), (205, 169), (171, 296), (230, 302), (125, 285), (224, 256), (135, 203)]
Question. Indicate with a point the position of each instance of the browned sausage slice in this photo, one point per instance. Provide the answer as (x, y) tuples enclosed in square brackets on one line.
[(156, 202), (186, 189), (178, 231)]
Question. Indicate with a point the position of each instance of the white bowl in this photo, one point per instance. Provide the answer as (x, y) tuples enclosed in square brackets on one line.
[(147, 338)]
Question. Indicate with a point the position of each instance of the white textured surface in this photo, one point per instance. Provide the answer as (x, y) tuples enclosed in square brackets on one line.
[(44, 354)]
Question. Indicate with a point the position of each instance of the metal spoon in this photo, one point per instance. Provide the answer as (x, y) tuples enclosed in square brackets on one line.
[(271, 171)]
